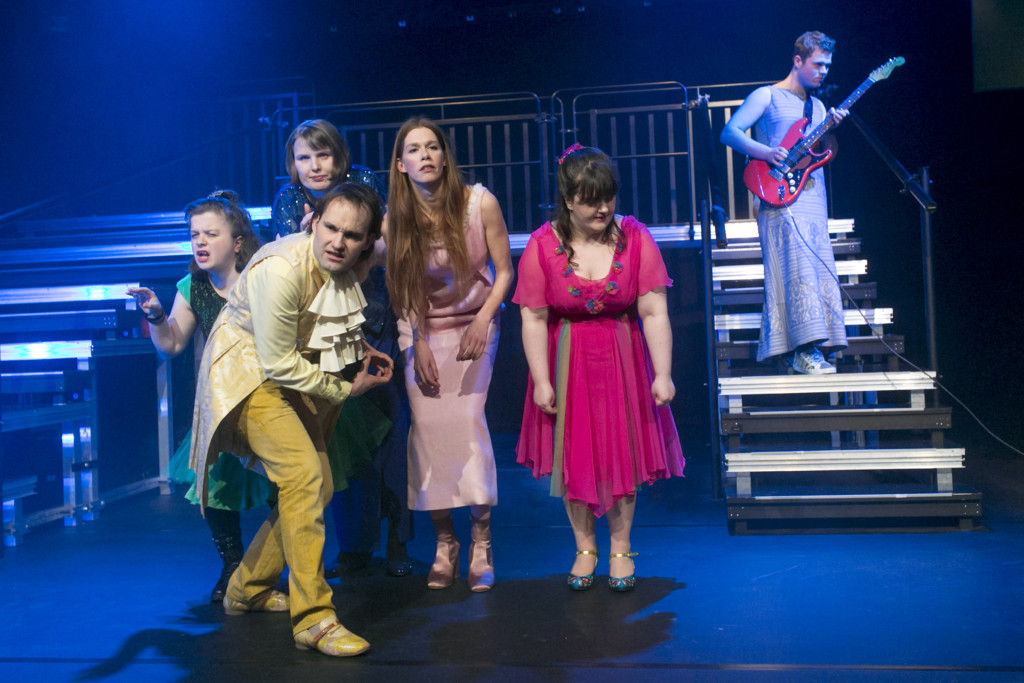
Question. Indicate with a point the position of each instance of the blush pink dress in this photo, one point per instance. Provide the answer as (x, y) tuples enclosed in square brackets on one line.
[(608, 437), (451, 459)]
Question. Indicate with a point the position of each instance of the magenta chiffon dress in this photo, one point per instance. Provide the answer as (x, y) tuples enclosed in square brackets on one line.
[(608, 436)]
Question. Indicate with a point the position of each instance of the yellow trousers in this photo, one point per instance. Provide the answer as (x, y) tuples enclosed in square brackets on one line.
[(288, 432)]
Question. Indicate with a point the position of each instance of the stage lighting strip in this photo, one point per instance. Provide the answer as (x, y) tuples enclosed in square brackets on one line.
[(80, 350), (666, 236), (41, 295), (106, 252)]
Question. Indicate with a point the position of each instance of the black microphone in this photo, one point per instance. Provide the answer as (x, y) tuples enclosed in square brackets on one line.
[(824, 91)]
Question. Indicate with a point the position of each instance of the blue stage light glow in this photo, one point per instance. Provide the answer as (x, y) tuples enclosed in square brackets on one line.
[(38, 295), (46, 350), (100, 293), (257, 213)]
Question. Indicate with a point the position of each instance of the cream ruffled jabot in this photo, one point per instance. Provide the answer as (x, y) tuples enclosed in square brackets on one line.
[(337, 332)]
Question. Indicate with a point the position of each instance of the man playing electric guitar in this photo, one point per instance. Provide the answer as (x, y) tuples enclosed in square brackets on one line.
[(803, 307)]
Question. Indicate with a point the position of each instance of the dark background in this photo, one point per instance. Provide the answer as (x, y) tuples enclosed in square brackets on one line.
[(100, 90)]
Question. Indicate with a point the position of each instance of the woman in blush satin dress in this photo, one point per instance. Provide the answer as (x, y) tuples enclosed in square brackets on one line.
[(448, 270)]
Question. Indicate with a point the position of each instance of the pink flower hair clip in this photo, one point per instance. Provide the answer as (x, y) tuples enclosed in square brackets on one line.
[(569, 150)]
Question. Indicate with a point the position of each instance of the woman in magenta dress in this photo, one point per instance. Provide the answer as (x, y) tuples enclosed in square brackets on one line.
[(448, 270), (596, 417)]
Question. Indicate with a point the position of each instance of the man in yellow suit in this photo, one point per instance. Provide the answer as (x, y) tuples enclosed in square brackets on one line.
[(283, 355)]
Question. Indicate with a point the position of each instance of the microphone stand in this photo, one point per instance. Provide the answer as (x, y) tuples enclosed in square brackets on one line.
[(916, 186)]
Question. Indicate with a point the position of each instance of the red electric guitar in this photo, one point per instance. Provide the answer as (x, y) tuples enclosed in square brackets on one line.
[(780, 185)]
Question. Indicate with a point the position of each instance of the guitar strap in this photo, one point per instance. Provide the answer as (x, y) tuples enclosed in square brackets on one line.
[(808, 111)]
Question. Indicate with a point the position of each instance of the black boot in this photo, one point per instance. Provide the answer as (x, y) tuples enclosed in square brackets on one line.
[(398, 563), (226, 528)]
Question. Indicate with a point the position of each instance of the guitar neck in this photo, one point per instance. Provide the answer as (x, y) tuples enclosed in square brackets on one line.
[(825, 126)]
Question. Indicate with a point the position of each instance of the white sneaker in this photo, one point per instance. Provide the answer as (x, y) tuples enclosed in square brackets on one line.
[(810, 363)]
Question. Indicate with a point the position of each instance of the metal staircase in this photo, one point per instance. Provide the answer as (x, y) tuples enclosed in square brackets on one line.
[(863, 449)]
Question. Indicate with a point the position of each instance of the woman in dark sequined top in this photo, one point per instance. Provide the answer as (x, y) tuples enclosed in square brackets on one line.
[(367, 450), (317, 159)]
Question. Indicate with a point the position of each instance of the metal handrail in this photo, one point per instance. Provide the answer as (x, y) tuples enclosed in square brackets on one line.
[(622, 89), (196, 151), (392, 105), (449, 110), (568, 130)]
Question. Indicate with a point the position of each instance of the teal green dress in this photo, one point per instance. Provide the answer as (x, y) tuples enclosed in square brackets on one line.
[(232, 486)]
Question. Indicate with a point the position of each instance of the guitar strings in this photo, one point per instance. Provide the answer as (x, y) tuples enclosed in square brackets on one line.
[(793, 224)]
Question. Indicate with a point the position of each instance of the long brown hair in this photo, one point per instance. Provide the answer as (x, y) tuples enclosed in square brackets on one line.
[(410, 227), (586, 174)]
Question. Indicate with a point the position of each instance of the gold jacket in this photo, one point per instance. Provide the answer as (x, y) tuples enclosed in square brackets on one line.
[(232, 368)]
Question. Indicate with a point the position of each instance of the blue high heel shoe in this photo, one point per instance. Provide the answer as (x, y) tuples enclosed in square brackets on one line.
[(622, 584), (582, 583)]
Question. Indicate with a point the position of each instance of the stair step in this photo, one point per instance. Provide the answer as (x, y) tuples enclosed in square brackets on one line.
[(882, 510), (755, 271), (19, 488), (754, 296), (845, 459), (747, 230), (840, 418), (747, 251), (851, 317), (816, 384), (32, 383), (41, 416), (856, 346)]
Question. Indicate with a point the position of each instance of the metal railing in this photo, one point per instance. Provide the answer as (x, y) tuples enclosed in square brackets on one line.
[(507, 141), (723, 100), (646, 129), (222, 145), (496, 138)]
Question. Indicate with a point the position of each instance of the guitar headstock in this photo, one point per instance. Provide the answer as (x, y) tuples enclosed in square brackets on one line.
[(883, 72)]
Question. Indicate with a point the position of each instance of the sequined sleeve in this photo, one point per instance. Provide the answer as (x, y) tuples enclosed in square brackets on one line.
[(361, 174), (289, 208)]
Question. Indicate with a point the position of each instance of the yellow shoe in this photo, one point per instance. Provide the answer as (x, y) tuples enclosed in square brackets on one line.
[(269, 600), (331, 638)]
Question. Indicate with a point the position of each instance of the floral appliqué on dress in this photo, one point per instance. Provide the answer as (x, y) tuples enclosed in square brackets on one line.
[(595, 304)]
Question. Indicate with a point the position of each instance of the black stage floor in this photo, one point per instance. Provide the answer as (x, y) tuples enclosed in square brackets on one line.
[(122, 598)]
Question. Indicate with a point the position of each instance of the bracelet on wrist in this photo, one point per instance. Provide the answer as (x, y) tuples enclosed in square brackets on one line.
[(156, 320)]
